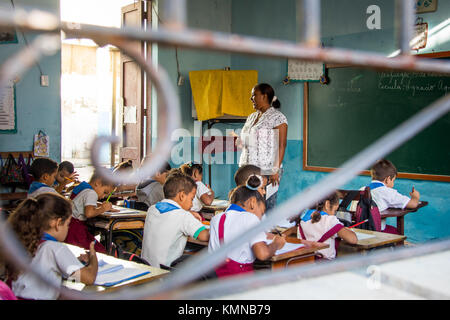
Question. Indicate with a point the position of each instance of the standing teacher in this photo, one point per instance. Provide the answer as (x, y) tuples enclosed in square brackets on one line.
[(264, 137)]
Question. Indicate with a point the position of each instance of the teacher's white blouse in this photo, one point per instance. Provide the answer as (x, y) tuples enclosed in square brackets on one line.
[(260, 140)]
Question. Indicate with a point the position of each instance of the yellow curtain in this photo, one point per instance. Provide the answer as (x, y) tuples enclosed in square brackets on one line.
[(236, 92), (219, 92)]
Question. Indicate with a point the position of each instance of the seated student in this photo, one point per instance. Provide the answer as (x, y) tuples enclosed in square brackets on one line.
[(169, 223), (44, 172), (66, 174), (245, 212), (125, 166), (41, 224), (243, 173), (84, 199), (204, 195), (322, 225), (385, 196), (151, 191)]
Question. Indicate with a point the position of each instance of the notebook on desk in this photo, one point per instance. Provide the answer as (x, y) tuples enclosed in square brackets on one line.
[(121, 211), (288, 247), (111, 274)]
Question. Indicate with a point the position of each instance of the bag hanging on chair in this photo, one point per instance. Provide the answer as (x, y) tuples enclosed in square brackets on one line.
[(11, 173)]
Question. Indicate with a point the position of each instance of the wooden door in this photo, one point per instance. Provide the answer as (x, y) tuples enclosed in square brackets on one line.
[(133, 91)]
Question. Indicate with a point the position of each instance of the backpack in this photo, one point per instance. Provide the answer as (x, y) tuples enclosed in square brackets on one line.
[(366, 209)]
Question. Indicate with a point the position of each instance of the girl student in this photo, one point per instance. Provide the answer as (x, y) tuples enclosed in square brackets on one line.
[(245, 212), (322, 225), (204, 195), (41, 224)]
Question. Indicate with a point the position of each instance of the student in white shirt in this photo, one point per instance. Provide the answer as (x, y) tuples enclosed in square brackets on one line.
[(84, 199), (169, 223), (245, 212), (385, 196), (44, 171), (322, 225), (41, 225), (204, 195)]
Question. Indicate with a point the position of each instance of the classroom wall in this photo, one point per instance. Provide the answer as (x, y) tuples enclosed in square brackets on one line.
[(343, 25), (38, 108)]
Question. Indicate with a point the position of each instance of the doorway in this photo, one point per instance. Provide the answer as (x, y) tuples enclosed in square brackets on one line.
[(92, 97)]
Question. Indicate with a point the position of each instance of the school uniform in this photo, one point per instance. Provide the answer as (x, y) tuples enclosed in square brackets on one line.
[(53, 259), (325, 230), (166, 229), (386, 197), (197, 204), (37, 188), (150, 192), (224, 228), (82, 195)]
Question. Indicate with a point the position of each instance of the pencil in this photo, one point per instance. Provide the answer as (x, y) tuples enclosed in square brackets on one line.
[(357, 224), (110, 194), (69, 179)]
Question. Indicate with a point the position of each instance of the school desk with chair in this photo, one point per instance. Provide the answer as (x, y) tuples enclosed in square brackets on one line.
[(116, 273), (125, 219), (216, 207), (369, 240), (295, 251)]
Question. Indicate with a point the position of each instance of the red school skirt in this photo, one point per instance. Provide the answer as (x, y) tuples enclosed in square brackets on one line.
[(80, 236), (231, 267)]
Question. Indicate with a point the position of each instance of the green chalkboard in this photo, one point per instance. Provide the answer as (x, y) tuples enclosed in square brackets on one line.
[(358, 106)]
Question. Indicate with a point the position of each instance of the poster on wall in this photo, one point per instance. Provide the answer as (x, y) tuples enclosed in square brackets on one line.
[(299, 70), (8, 121)]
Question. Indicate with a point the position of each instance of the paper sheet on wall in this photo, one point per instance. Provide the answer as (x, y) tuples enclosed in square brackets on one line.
[(304, 70), (129, 114), (7, 112)]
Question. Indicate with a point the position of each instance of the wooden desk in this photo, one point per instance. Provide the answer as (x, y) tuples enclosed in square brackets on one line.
[(155, 273), (380, 239), (302, 255), (216, 207), (400, 215), (119, 221)]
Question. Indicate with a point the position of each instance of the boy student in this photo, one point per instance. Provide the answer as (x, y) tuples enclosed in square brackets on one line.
[(44, 172), (65, 175), (169, 223), (151, 191), (383, 193), (84, 206)]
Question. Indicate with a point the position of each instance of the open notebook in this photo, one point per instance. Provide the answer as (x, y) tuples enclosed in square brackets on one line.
[(287, 247), (121, 211), (112, 274)]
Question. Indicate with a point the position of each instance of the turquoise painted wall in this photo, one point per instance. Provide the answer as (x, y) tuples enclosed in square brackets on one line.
[(343, 25), (38, 108)]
